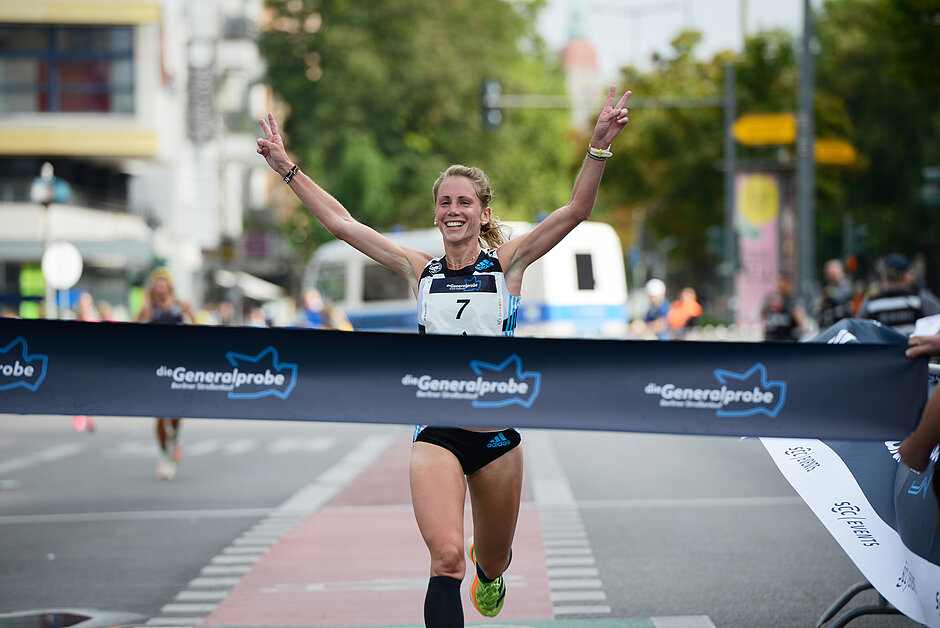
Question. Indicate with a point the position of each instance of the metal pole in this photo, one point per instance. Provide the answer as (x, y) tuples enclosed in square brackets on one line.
[(731, 249), (51, 298), (743, 24), (806, 166)]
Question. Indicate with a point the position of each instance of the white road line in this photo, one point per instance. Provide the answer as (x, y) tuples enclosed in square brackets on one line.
[(579, 534), (201, 596), (582, 610), (567, 543), (241, 549), (578, 596), (257, 541), (681, 621), (573, 572), (235, 560), (238, 558), (240, 446), (302, 445), (570, 561), (140, 515), (225, 570), (576, 583), (568, 551), (693, 502), (51, 454), (573, 579), (214, 582), (188, 608)]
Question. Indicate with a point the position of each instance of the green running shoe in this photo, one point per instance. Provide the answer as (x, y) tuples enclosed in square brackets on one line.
[(488, 597)]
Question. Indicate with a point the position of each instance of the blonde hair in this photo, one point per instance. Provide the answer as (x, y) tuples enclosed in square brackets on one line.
[(491, 233), (160, 273)]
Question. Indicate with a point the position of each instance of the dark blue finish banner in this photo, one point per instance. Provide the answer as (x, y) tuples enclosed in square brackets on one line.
[(850, 391)]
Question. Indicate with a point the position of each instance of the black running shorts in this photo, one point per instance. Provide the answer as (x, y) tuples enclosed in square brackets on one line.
[(474, 450)]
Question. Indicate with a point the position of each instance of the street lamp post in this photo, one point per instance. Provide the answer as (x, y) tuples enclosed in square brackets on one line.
[(61, 261), (43, 191)]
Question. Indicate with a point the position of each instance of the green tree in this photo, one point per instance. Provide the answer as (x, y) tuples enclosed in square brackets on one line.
[(664, 186), (384, 95), (880, 58)]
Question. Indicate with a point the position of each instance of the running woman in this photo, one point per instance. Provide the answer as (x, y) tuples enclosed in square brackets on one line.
[(162, 306), (446, 462)]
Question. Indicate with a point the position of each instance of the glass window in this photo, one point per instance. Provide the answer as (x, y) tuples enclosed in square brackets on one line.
[(66, 68), (585, 268), (102, 39), (22, 38), (381, 284), (331, 282)]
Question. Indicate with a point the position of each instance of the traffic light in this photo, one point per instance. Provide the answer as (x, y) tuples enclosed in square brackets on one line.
[(715, 240), (930, 188), (860, 239), (490, 92)]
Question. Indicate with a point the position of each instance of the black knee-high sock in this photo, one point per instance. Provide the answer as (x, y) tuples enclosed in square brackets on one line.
[(442, 607)]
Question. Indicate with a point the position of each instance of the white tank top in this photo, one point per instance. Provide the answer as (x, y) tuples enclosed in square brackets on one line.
[(472, 301)]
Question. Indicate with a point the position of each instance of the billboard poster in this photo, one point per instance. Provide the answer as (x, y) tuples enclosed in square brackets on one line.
[(757, 228)]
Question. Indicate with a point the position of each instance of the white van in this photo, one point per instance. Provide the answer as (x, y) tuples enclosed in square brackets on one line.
[(578, 289)]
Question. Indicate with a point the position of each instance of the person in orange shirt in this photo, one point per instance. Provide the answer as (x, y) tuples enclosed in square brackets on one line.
[(683, 313)]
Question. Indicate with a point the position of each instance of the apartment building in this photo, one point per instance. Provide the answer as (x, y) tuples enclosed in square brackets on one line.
[(146, 110)]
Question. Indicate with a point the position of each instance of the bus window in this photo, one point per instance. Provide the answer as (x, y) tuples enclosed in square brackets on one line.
[(585, 268), (331, 282), (381, 284)]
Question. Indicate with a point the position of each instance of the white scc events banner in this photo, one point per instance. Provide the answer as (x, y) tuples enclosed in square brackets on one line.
[(882, 514)]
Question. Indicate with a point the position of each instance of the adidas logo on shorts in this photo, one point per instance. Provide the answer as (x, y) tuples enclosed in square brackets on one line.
[(498, 441)]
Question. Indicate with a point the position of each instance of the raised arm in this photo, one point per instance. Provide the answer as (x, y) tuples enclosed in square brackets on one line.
[(518, 253), (336, 218)]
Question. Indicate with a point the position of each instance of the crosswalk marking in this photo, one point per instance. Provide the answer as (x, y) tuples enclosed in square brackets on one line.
[(573, 609), (683, 621), (201, 596), (240, 446), (157, 622), (237, 446), (573, 572), (225, 569), (569, 551), (188, 608), (578, 596), (573, 577), (213, 582), (224, 559), (51, 454), (315, 445), (570, 561)]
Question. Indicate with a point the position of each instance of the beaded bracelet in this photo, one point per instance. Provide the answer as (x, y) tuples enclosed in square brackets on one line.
[(291, 173)]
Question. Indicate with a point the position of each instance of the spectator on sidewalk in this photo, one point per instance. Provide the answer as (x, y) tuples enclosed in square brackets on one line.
[(899, 302)]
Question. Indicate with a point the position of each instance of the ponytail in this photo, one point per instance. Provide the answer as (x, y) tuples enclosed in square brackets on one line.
[(493, 234)]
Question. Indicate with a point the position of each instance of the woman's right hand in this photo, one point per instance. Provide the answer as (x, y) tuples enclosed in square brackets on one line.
[(271, 147)]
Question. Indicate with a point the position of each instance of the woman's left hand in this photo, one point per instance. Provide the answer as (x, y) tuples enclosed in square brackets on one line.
[(611, 120)]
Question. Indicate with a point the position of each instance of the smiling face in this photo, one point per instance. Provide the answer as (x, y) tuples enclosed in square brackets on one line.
[(458, 211)]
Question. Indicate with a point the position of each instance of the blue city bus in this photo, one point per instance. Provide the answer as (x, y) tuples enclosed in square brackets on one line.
[(578, 289)]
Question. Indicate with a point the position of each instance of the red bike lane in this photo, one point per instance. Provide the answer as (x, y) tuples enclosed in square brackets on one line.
[(360, 561)]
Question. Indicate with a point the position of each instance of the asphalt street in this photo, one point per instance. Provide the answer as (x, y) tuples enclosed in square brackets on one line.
[(673, 527)]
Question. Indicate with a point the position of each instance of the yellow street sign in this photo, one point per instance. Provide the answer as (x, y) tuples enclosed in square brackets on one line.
[(834, 152), (765, 129)]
